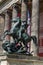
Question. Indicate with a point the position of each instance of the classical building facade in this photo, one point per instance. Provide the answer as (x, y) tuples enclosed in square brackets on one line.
[(9, 11)]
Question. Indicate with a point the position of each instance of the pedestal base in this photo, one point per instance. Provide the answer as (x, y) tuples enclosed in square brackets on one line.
[(14, 59)]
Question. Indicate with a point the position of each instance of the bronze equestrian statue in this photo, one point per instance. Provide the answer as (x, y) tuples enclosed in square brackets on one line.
[(18, 32)]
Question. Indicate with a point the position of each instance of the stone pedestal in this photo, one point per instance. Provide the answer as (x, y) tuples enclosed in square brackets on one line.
[(16, 59)]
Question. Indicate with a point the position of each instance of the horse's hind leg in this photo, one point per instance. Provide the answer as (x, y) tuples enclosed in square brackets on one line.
[(34, 39)]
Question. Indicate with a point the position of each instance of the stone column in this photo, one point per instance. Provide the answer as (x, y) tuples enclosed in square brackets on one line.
[(14, 18), (14, 13), (7, 25), (28, 29), (34, 27), (24, 14), (1, 30), (7, 20), (23, 11), (1, 25)]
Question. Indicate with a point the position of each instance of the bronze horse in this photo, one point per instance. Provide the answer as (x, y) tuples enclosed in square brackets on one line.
[(19, 35)]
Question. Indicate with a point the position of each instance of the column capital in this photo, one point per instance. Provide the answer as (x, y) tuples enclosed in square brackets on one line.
[(25, 1), (16, 7), (7, 11), (2, 15)]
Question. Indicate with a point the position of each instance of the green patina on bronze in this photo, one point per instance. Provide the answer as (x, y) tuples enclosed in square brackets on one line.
[(19, 35)]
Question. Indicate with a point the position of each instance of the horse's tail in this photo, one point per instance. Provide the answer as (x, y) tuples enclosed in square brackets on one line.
[(34, 39)]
